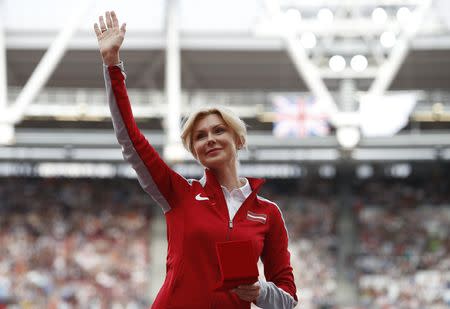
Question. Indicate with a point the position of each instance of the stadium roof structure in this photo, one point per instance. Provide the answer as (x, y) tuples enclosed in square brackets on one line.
[(184, 53)]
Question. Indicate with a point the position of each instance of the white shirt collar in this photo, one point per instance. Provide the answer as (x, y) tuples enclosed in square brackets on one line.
[(240, 193), (236, 197)]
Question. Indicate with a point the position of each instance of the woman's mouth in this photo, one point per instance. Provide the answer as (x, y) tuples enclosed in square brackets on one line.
[(212, 151)]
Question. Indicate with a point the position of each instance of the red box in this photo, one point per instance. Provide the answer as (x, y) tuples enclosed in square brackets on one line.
[(238, 264)]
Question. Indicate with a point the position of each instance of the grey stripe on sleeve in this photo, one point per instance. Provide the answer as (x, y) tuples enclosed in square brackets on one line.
[(272, 297), (128, 151)]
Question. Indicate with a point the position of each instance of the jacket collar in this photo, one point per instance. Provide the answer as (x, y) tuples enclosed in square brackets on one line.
[(213, 189), (211, 185)]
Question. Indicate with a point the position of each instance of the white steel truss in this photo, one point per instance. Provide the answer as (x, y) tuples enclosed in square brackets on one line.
[(352, 24), (13, 114)]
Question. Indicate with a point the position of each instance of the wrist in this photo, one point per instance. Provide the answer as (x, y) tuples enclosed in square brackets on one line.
[(262, 290), (111, 59)]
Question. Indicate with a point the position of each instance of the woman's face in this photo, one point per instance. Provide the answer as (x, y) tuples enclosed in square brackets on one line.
[(214, 142)]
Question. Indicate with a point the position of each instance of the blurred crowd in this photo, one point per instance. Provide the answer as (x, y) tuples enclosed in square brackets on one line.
[(73, 244), (310, 213), (84, 243), (403, 257)]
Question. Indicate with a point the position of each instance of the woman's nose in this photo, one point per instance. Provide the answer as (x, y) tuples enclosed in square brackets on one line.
[(210, 138)]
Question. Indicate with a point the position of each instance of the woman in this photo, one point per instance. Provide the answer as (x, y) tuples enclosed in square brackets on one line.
[(199, 213)]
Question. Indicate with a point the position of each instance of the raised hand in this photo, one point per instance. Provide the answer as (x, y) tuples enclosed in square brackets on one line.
[(109, 37)]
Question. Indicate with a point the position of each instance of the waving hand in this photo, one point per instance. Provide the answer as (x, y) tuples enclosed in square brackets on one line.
[(110, 37)]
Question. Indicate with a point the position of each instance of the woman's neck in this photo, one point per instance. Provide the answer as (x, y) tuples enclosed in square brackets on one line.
[(228, 177)]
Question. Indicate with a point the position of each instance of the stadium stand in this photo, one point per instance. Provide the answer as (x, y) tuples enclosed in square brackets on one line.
[(403, 259), (73, 244)]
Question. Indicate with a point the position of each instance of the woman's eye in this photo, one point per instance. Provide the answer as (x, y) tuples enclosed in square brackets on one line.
[(220, 130)]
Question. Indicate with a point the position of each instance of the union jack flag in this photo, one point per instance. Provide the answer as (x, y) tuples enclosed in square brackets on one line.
[(299, 116)]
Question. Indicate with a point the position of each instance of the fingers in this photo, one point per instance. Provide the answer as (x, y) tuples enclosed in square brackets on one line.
[(247, 292), (115, 21), (247, 297), (123, 29), (97, 30), (103, 27), (248, 287), (109, 22)]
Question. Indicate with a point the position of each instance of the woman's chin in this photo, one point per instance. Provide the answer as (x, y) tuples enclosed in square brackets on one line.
[(214, 162)]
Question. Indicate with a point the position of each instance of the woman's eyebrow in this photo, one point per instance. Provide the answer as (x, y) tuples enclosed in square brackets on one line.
[(218, 125), (203, 130)]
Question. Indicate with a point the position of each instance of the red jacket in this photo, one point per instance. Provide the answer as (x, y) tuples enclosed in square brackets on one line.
[(197, 217)]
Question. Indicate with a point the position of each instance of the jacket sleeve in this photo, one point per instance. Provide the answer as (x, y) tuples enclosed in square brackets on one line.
[(154, 175), (279, 291)]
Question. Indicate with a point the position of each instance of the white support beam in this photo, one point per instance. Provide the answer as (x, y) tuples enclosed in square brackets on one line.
[(3, 75), (369, 3), (390, 67), (6, 129), (349, 73), (343, 27), (350, 28), (174, 150), (306, 69), (47, 64)]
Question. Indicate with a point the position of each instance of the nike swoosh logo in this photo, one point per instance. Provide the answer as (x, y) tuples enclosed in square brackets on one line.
[(198, 197)]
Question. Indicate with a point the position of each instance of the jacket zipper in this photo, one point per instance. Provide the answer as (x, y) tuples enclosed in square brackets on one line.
[(230, 227)]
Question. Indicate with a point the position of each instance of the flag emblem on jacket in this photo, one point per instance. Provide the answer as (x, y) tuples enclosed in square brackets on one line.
[(256, 217)]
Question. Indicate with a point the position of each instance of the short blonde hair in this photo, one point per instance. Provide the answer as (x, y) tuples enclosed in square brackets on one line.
[(230, 118)]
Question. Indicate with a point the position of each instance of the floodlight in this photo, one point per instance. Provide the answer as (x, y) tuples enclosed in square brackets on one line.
[(401, 170), (337, 63), (308, 40), (325, 16), (364, 171), (403, 14), (379, 16), (6, 134), (348, 137), (327, 171), (359, 63), (293, 15)]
